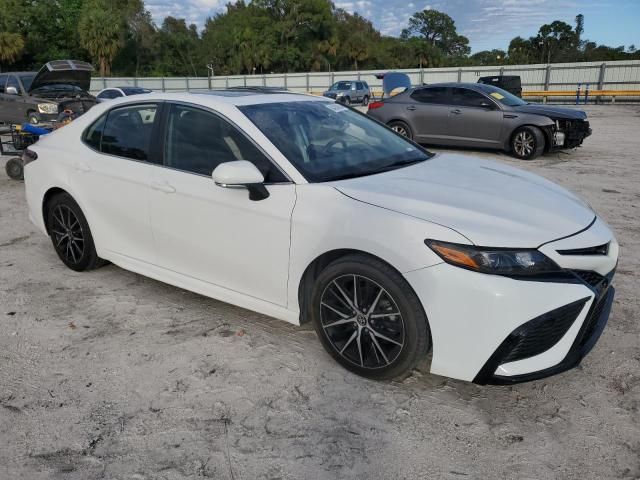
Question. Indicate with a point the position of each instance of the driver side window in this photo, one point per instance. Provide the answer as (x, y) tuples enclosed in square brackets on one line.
[(198, 141)]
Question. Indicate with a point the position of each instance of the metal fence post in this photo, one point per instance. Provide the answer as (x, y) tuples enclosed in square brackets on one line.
[(104, 82), (307, 83), (264, 80), (459, 75), (285, 81), (603, 69), (187, 83), (547, 78), (421, 75), (163, 89), (226, 81), (244, 79)]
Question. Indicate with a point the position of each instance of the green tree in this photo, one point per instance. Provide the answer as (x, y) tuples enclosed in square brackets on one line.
[(438, 29), (11, 47), (101, 33)]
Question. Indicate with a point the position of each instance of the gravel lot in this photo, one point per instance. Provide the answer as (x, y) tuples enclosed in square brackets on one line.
[(111, 375)]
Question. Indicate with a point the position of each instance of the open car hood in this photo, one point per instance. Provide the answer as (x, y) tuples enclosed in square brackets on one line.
[(66, 72)]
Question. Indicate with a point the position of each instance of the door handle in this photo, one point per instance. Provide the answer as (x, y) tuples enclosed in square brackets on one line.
[(82, 167), (163, 187), (456, 111), (411, 107)]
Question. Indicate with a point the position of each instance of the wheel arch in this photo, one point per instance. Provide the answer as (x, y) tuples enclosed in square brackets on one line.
[(317, 265), (48, 196)]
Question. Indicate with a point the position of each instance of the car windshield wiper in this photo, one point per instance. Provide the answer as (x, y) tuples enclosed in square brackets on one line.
[(382, 169)]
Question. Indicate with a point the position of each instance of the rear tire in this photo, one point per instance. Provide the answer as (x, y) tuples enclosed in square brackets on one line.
[(70, 234), (401, 128), (15, 168), (527, 143), (383, 334), (365, 101)]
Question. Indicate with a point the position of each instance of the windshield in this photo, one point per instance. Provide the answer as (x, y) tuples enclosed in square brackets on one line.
[(503, 96), (341, 86), (326, 141), (134, 90), (26, 81)]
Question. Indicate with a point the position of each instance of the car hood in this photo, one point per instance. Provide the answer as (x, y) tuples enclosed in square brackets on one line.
[(489, 203), (552, 111), (67, 72)]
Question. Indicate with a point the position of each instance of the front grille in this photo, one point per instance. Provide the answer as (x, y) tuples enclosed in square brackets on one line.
[(543, 332), (598, 250), (592, 278)]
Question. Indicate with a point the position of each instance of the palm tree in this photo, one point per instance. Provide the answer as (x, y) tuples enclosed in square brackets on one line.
[(101, 35), (11, 46)]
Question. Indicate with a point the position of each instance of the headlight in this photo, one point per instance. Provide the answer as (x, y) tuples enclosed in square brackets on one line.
[(48, 108), (495, 261)]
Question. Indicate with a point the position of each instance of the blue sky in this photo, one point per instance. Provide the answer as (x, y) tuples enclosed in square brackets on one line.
[(488, 23)]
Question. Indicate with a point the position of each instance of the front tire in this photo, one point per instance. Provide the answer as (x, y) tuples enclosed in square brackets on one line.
[(15, 168), (527, 143), (368, 318), (401, 128), (33, 118), (70, 234)]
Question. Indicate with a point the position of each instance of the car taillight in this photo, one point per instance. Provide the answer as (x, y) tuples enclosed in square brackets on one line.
[(374, 105), (28, 156)]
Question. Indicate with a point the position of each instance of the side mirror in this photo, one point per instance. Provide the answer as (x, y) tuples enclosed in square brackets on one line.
[(11, 91), (241, 174), (487, 105)]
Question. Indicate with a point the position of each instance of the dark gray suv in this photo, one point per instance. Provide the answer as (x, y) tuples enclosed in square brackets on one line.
[(42, 96), (349, 91)]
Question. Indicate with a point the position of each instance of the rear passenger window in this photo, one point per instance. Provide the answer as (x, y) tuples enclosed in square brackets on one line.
[(198, 141), (127, 131), (93, 135), (430, 95)]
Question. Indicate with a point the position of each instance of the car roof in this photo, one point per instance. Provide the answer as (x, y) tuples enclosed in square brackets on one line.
[(235, 97), (455, 84)]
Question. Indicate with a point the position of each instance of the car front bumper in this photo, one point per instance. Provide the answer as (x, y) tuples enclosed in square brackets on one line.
[(501, 330)]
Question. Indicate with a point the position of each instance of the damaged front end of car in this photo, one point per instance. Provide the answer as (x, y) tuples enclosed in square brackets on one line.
[(566, 133)]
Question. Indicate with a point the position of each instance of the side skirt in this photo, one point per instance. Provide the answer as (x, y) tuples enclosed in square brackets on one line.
[(204, 288)]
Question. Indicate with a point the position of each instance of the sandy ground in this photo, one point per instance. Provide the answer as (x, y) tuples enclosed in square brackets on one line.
[(111, 375)]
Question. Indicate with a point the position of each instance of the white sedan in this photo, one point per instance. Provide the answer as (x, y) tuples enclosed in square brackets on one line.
[(111, 93), (306, 210)]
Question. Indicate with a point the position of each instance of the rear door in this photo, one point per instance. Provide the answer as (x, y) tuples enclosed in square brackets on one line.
[(475, 120), (428, 113), (112, 179)]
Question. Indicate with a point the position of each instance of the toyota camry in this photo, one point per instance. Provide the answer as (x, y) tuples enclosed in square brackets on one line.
[(306, 210)]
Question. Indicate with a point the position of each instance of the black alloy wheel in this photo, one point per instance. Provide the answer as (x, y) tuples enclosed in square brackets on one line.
[(369, 318), (70, 234)]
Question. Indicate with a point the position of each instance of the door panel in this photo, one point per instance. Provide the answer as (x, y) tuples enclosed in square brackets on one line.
[(111, 177), (115, 192), (474, 120), (219, 236), (428, 113)]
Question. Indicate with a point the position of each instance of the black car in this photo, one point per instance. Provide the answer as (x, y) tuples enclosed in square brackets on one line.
[(510, 83), (35, 97)]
